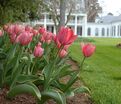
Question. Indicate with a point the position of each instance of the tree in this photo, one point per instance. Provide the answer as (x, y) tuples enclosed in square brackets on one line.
[(57, 9), (92, 8), (18, 10), (62, 13)]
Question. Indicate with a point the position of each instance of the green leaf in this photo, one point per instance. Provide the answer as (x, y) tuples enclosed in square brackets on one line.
[(64, 71), (53, 94), (2, 55), (72, 91), (16, 73), (27, 78), (47, 71), (82, 89), (73, 79), (1, 74), (69, 92), (12, 51), (24, 88)]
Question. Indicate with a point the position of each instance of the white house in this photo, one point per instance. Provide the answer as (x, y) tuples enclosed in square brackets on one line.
[(107, 26), (78, 23)]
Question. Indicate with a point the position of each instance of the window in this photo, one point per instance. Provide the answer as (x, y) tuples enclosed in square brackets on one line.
[(89, 31), (107, 31), (114, 30), (79, 19), (79, 30), (50, 28), (96, 31), (103, 31)]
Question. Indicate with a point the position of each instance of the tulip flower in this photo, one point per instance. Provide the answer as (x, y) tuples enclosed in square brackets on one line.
[(35, 32), (88, 49), (10, 29), (42, 30), (13, 38), (38, 50), (1, 33), (46, 37), (24, 38), (18, 29), (14, 29), (63, 53), (28, 28), (65, 36)]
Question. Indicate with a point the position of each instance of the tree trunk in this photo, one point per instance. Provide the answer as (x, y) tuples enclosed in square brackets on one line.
[(62, 13)]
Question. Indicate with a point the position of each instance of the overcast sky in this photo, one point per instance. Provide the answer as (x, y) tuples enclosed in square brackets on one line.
[(113, 6)]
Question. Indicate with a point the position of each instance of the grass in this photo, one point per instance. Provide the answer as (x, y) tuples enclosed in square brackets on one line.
[(102, 72)]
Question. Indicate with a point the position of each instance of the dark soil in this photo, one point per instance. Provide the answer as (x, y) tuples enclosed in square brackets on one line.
[(118, 45), (28, 99)]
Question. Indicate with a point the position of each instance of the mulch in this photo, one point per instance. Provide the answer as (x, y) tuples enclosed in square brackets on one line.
[(81, 98)]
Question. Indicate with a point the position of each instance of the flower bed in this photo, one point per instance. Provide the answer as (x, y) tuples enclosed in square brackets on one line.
[(35, 57)]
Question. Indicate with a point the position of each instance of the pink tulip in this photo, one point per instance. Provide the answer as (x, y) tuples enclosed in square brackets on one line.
[(38, 50), (35, 32), (1, 33), (18, 29), (10, 29), (46, 37), (13, 38), (28, 28), (63, 53), (42, 30), (14, 29), (65, 36), (88, 49), (24, 38)]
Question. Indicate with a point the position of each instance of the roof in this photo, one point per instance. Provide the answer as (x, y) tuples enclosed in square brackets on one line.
[(109, 19)]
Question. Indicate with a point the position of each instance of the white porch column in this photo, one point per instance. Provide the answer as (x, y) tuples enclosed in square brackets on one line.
[(45, 20), (75, 28), (100, 32), (54, 30), (84, 27), (116, 30)]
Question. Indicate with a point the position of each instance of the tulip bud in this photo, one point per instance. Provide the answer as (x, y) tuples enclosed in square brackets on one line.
[(24, 38), (63, 53), (28, 28), (42, 30), (46, 37), (38, 50), (88, 49), (10, 29), (35, 32), (66, 36), (18, 29)]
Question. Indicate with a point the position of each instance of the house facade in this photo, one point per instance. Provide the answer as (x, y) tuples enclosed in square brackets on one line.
[(77, 22), (107, 26)]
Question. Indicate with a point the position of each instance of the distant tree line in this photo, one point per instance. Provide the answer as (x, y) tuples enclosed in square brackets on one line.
[(18, 10)]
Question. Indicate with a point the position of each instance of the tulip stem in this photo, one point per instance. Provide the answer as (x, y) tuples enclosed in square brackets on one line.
[(32, 69), (81, 66)]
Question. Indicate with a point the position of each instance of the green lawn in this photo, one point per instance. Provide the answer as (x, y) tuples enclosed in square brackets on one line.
[(102, 72)]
